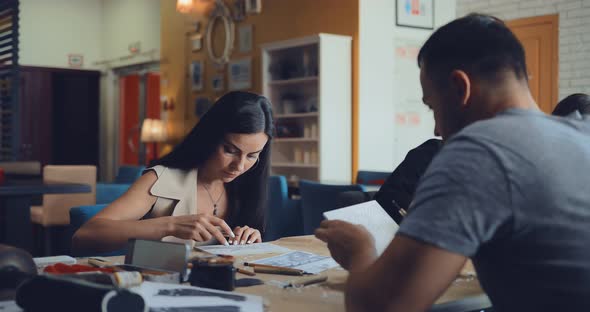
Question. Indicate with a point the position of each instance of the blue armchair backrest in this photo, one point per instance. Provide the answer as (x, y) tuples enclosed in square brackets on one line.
[(106, 193), (372, 177), (317, 198), (283, 215), (128, 174), (79, 216)]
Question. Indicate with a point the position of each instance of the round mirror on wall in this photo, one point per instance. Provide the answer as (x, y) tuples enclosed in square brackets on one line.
[(219, 38)]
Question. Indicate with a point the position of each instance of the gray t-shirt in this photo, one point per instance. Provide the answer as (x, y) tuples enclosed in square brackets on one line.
[(513, 193)]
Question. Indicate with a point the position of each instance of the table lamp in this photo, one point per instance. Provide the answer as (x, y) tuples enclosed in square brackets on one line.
[(152, 132)]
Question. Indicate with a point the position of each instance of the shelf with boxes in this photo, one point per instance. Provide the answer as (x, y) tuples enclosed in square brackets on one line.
[(293, 81)]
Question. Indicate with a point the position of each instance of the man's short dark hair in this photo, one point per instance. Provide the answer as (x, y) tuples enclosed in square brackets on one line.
[(481, 45)]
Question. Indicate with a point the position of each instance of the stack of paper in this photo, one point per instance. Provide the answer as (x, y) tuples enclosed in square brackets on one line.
[(308, 262), (242, 250), (167, 297), (9, 306), (372, 216)]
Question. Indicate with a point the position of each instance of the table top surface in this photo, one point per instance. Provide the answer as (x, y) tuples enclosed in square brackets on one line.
[(35, 187), (329, 295)]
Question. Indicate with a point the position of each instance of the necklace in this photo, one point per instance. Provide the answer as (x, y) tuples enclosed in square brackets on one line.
[(214, 202)]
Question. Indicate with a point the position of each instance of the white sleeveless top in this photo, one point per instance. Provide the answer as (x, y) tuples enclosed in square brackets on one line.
[(176, 192), (176, 195)]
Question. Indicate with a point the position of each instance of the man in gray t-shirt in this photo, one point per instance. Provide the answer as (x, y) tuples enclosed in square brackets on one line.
[(510, 190), (512, 193)]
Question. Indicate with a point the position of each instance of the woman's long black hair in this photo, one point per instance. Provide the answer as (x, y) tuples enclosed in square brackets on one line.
[(235, 112)]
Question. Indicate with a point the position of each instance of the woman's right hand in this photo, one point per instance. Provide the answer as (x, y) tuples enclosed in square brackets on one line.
[(199, 227)]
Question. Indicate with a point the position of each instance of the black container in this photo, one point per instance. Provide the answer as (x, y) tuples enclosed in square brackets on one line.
[(220, 276)]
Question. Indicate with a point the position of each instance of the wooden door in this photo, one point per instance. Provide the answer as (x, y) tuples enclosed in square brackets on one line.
[(58, 115), (75, 117), (139, 98), (35, 105), (539, 36), (152, 109), (129, 120)]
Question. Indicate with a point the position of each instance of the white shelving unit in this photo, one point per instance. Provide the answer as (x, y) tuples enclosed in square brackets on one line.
[(308, 80), (293, 81)]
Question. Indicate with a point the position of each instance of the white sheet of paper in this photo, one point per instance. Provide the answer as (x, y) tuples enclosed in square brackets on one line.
[(241, 250), (162, 297), (41, 262), (372, 216), (9, 306), (309, 262)]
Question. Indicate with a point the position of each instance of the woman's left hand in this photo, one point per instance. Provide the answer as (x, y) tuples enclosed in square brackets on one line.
[(245, 235)]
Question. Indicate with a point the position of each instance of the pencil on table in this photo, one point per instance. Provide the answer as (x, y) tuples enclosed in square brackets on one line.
[(307, 281), (246, 272), (267, 266), (278, 271)]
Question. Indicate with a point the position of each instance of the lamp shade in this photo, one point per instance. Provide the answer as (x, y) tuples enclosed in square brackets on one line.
[(201, 7), (184, 6), (153, 130)]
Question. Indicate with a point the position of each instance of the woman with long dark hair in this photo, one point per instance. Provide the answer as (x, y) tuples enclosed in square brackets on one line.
[(213, 181)]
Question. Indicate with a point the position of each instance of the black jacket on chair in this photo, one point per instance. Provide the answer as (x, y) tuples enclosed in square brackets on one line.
[(401, 185)]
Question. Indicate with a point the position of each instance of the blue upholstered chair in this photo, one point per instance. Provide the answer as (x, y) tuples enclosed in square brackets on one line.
[(106, 193), (283, 215), (371, 177), (128, 174), (79, 216), (317, 198)]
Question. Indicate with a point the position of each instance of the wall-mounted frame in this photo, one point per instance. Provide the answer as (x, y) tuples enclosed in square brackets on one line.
[(239, 74), (202, 105), (245, 38), (196, 75), (253, 6), (196, 42), (217, 83), (75, 60), (222, 15), (239, 11), (415, 13)]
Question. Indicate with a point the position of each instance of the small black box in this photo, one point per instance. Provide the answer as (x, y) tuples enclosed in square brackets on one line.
[(220, 276)]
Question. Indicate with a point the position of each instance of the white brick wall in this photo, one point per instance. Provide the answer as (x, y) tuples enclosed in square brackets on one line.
[(574, 33)]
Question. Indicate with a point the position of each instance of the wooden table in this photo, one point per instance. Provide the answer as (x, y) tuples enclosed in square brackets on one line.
[(15, 204), (463, 295), (329, 296)]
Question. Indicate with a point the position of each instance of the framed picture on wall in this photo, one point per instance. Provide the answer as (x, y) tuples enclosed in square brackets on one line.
[(202, 105), (239, 11), (196, 75), (217, 83), (239, 73), (415, 13), (75, 60), (245, 38), (196, 42), (253, 6)]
